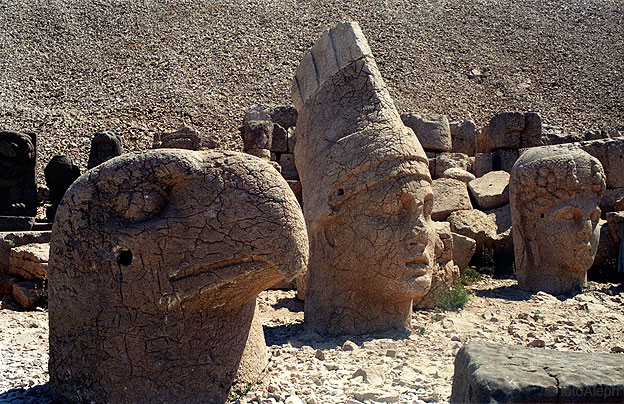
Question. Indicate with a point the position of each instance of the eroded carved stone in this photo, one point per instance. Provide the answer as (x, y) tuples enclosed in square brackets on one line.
[(17, 174), (183, 138), (554, 196), (104, 146), (155, 263), (366, 190), (60, 173)]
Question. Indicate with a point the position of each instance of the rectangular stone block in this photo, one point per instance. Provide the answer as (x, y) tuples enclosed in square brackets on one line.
[(449, 195), (493, 373), (10, 240), (491, 190)]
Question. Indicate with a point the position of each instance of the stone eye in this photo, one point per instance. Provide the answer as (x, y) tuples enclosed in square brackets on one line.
[(568, 214), (140, 204)]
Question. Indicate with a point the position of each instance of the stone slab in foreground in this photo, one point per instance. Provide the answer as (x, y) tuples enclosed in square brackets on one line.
[(494, 373)]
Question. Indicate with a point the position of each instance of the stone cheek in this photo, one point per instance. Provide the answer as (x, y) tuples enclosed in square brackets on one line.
[(156, 260)]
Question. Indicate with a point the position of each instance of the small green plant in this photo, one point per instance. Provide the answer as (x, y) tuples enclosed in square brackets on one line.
[(422, 331), (454, 299), (42, 300), (470, 276)]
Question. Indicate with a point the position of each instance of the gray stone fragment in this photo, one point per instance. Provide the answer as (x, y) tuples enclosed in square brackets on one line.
[(433, 131), (463, 250), (183, 138), (444, 161), (464, 137), (512, 130), (458, 174), (10, 240), (493, 373), (491, 190), (482, 164)]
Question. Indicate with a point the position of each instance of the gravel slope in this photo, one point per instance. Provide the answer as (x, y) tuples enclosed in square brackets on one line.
[(69, 68)]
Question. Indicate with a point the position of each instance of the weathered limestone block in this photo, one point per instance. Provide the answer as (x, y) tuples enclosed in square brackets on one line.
[(433, 130), (446, 272), (27, 293), (479, 226), (9, 240), (513, 130), (183, 138), (279, 139), (504, 159), (464, 137), (491, 190), (444, 161), (606, 254), (554, 196), (463, 250), (366, 190), (612, 201), (284, 116), (482, 165), (449, 195), (104, 146), (615, 222), (458, 174), (486, 372), (287, 163), (17, 175), (256, 134), (60, 173), (7, 282), (30, 261), (162, 255)]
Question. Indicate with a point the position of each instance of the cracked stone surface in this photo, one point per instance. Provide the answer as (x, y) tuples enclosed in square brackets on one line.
[(366, 190), (488, 372), (554, 196), (162, 255)]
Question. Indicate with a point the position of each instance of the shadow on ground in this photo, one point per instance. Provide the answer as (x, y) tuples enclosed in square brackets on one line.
[(38, 394)]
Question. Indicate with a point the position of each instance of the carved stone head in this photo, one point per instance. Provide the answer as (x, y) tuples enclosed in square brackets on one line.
[(554, 196), (104, 146), (17, 174), (366, 191), (155, 263)]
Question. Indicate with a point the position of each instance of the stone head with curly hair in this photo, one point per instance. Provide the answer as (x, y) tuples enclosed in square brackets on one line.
[(554, 196)]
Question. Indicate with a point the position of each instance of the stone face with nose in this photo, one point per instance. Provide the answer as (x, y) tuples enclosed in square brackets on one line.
[(554, 197), (366, 190), (155, 264)]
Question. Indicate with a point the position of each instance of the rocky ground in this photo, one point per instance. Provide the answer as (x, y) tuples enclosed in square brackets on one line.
[(410, 367), (69, 68)]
